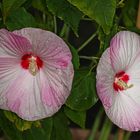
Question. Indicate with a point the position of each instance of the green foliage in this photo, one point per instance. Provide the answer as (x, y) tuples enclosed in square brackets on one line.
[(129, 13), (75, 57), (9, 6), (17, 14), (78, 117), (22, 18), (102, 11), (19, 123), (40, 5), (105, 39), (83, 94), (60, 127), (42, 133), (65, 11)]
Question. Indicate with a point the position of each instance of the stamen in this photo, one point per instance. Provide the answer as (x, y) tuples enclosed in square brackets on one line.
[(123, 84), (33, 68), (121, 81), (32, 63)]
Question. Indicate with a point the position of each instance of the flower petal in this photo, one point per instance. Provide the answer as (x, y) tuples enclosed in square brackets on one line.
[(125, 111), (51, 48), (124, 48), (56, 87), (12, 45), (23, 97), (37, 97), (105, 78), (9, 69)]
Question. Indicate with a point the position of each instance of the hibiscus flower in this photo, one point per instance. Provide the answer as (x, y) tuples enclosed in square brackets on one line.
[(118, 80), (35, 72)]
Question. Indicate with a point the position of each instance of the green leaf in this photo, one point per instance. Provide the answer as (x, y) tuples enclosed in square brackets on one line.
[(129, 13), (65, 11), (102, 11), (42, 133), (19, 123), (60, 127), (40, 5), (9, 6), (20, 19), (83, 94), (105, 39), (78, 117), (9, 129), (75, 57)]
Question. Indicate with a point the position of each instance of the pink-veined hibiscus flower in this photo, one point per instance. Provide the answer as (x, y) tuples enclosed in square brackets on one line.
[(35, 72), (118, 80)]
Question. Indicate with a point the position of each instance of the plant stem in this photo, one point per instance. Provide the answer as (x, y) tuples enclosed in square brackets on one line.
[(120, 2), (44, 17), (96, 125), (88, 40), (89, 57), (120, 134), (55, 25), (138, 17), (127, 135), (63, 30)]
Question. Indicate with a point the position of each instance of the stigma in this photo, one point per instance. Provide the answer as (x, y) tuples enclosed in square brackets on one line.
[(121, 81), (31, 63)]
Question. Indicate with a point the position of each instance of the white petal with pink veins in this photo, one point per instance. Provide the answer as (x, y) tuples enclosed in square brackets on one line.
[(9, 70), (118, 80), (125, 112), (51, 48), (57, 85), (124, 48), (36, 73), (105, 78), (12, 45)]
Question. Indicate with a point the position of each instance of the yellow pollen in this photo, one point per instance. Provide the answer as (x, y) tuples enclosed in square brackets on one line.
[(122, 84), (33, 68)]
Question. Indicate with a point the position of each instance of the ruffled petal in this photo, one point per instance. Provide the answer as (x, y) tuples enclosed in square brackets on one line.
[(56, 87), (124, 48), (23, 97), (9, 69), (105, 79), (125, 111), (123, 106), (12, 45), (51, 48), (40, 96)]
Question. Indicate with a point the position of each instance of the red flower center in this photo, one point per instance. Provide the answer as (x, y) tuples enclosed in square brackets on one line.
[(31, 62), (121, 81)]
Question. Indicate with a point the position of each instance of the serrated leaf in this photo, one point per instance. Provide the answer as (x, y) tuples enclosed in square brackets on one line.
[(9, 6), (20, 19), (105, 39), (102, 11), (60, 127), (78, 117), (65, 11), (83, 94)]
